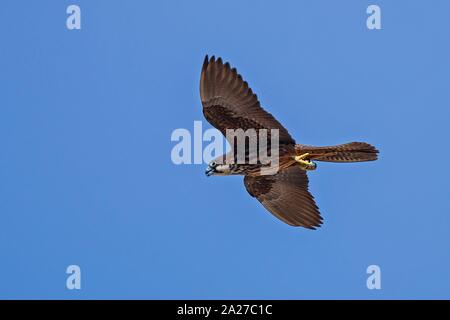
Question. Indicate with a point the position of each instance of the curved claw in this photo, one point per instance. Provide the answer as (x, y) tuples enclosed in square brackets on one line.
[(305, 164)]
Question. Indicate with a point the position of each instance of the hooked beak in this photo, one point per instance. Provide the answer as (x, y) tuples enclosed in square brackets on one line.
[(209, 171)]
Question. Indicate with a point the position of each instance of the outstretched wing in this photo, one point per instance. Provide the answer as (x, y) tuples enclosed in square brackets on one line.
[(229, 103), (286, 196)]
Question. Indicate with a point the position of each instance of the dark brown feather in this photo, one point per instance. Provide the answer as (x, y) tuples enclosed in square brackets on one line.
[(229, 103), (348, 152), (286, 196)]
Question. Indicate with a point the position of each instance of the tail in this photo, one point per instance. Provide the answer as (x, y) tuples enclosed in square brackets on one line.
[(348, 152)]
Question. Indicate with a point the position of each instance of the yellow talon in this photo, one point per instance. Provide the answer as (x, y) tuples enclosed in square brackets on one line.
[(301, 157), (305, 164)]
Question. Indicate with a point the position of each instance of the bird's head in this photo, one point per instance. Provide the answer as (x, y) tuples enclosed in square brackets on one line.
[(217, 169)]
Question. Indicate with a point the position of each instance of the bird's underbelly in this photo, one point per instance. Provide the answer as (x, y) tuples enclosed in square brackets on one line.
[(260, 169)]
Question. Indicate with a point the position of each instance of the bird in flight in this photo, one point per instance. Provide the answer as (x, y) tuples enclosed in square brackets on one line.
[(230, 104)]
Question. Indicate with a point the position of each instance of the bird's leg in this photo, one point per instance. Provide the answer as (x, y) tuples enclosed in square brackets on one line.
[(305, 164)]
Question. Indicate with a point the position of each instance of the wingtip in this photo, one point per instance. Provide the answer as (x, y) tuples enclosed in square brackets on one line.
[(209, 60), (315, 227), (205, 63)]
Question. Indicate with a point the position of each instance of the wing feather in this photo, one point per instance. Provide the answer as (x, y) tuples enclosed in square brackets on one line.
[(229, 102), (286, 196)]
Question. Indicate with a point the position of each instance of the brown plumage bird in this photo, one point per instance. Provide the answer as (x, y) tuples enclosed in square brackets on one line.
[(229, 103)]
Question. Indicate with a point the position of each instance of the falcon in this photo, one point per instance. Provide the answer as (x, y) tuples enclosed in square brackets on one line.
[(230, 104)]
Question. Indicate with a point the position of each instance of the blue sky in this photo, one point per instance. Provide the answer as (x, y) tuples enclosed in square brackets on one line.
[(86, 176)]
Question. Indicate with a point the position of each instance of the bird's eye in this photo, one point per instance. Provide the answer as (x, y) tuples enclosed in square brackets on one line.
[(213, 164)]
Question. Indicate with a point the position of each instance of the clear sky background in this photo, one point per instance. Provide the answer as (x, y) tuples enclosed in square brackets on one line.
[(86, 176)]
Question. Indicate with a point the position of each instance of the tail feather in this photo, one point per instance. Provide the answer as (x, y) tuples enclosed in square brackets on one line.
[(348, 152)]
